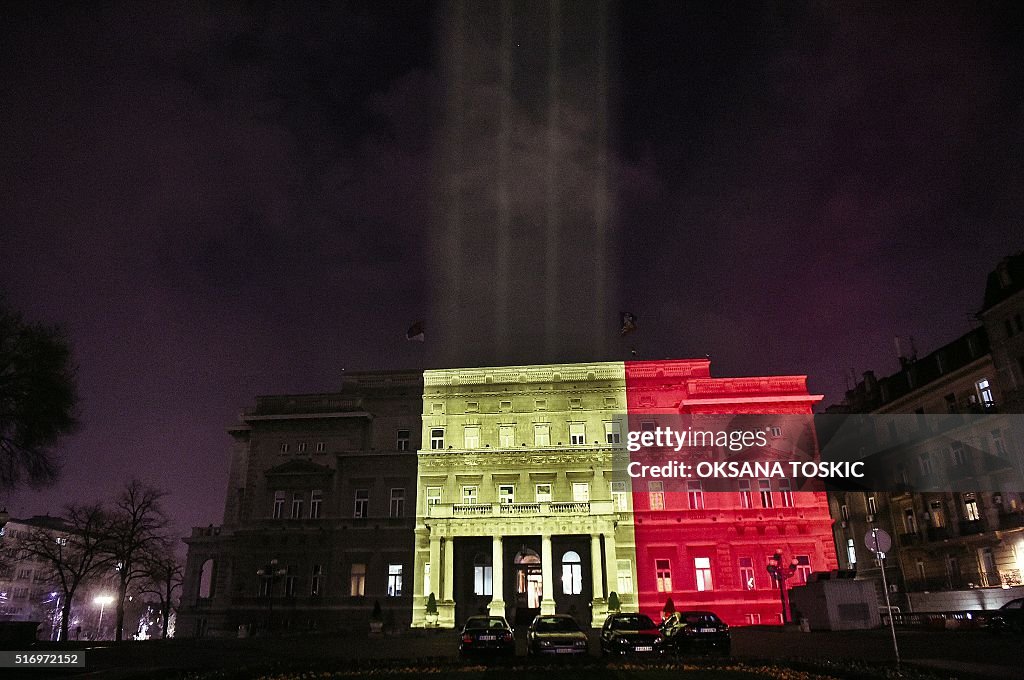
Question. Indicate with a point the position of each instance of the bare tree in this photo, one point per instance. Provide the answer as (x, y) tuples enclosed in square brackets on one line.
[(71, 551), (136, 530), (163, 576), (38, 396)]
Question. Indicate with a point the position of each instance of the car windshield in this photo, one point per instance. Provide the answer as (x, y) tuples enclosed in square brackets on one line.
[(1014, 604), (634, 622), (486, 623), (555, 624), (699, 618)]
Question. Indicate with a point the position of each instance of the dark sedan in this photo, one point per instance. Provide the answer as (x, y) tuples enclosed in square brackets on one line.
[(696, 632), (1009, 617), (486, 635), (624, 634), (556, 634)]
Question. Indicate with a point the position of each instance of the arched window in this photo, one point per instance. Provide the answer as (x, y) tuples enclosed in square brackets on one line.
[(572, 573), (206, 580), (482, 574)]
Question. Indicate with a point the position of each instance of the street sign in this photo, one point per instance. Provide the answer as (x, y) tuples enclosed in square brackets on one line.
[(878, 541)]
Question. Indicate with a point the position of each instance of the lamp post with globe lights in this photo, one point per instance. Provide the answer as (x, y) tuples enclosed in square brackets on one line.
[(780, 574)]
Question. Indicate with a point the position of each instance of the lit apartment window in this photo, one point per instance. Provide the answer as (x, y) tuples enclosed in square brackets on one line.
[(577, 434), (315, 579), (402, 440), (316, 499), (469, 495), (764, 487), (278, 504), (483, 575), (394, 580), (971, 512), (747, 573), (436, 438), (624, 573), (320, 447), (572, 573), (613, 433), (656, 495), (844, 512), (506, 494), (397, 502), (872, 505), (544, 493), (803, 568), (506, 436), (285, 448), (851, 553), (695, 495), (362, 504), (297, 501), (619, 497), (786, 492), (357, 580), (702, 567), (581, 492), (746, 498), (541, 435), (985, 393), (473, 437), (433, 495), (302, 447), (663, 573)]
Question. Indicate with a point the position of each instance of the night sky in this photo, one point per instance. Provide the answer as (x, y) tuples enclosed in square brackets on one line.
[(219, 203)]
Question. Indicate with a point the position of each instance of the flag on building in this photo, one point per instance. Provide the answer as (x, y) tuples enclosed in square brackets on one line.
[(415, 332), (627, 322)]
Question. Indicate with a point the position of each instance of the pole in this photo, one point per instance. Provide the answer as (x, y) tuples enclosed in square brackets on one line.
[(885, 589), (99, 626), (782, 596)]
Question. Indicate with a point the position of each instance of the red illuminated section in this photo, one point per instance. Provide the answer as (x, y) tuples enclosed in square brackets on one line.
[(706, 545)]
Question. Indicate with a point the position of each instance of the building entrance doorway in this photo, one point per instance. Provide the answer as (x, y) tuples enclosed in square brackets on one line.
[(529, 585)]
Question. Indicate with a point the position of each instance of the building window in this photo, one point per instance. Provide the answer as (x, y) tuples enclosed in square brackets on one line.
[(302, 447), (437, 409), (362, 506), (543, 493), (702, 566), (656, 495), (540, 404), (505, 406), (290, 581), (924, 462), (580, 492), (506, 436), (472, 437), (872, 505), (764, 487), (575, 402), (971, 512), (394, 580), (206, 580), (541, 435), (746, 499), (472, 406), (315, 579), (998, 447), (909, 521), (624, 572), (803, 568), (506, 494), (483, 573), (577, 434), (320, 447), (469, 495), (786, 493), (433, 495), (775, 431), (436, 438), (752, 619), (695, 495), (397, 502), (985, 393), (357, 580), (951, 403), (297, 505), (747, 573), (572, 573), (663, 573), (851, 552), (612, 433), (610, 402), (316, 499), (959, 456), (619, 496), (648, 426), (278, 504), (844, 512), (285, 448), (402, 440)]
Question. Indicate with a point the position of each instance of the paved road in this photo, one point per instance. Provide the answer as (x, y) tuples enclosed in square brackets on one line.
[(968, 653)]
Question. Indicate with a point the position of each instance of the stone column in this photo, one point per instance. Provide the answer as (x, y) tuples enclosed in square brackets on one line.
[(448, 557), (598, 605), (547, 603), (611, 564), (435, 567), (497, 607)]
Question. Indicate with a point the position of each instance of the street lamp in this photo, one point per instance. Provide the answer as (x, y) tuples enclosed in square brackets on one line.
[(102, 601), (271, 573), (780, 573)]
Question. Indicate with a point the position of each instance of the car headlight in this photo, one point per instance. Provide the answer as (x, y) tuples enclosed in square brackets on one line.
[(545, 643)]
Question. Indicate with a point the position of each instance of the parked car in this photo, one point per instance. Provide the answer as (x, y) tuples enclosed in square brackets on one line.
[(625, 633), (556, 634), (695, 632), (486, 635), (1009, 617)]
